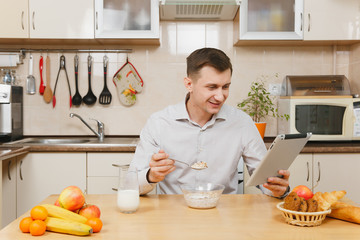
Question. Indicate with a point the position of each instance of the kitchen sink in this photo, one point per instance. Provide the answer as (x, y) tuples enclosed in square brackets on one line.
[(56, 141), (76, 141)]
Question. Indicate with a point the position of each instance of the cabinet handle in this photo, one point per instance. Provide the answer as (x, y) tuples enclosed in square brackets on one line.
[(318, 180), (117, 165), (301, 21), (21, 177), (114, 189), (308, 171), (97, 26), (33, 20), (9, 174), (309, 22), (22, 20)]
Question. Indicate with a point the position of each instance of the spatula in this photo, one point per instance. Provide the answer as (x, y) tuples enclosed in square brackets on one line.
[(105, 96), (30, 80)]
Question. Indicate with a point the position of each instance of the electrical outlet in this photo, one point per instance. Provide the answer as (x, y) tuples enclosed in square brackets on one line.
[(275, 89)]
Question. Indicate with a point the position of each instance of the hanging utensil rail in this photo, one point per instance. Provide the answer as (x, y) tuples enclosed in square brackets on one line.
[(23, 51)]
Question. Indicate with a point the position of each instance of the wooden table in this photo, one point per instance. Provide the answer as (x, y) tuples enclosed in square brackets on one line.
[(168, 217)]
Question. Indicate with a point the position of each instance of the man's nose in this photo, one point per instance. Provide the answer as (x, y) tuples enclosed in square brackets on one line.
[(219, 95)]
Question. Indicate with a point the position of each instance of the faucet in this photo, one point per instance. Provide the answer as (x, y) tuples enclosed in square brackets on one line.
[(101, 127)]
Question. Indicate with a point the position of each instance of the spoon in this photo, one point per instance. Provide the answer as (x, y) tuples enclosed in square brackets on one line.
[(196, 166), (77, 99), (47, 93)]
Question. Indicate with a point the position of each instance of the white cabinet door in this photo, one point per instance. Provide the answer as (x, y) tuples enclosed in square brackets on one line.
[(8, 205), (103, 172), (269, 20), (301, 171), (124, 19), (42, 174), (331, 20), (338, 172), (14, 19), (66, 19)]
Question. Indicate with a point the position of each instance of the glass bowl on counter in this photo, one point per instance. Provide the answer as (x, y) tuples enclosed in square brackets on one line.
[(202, 195)]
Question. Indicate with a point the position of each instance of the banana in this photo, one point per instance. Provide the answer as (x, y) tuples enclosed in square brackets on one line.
[(65, 226), (59, 212)]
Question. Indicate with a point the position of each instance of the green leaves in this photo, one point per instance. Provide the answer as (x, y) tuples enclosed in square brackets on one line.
[(259, 103)]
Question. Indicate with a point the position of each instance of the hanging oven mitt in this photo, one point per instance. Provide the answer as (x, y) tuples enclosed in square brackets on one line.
[(128, 83)]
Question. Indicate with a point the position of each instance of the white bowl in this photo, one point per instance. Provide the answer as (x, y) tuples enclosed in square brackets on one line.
[(202, 195)]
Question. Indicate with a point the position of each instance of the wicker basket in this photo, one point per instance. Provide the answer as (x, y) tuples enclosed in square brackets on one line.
[(303, 219)]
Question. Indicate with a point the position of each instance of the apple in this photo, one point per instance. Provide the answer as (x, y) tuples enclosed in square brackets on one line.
[(71, 198), (57, 203), (90, 211), (303, 191)]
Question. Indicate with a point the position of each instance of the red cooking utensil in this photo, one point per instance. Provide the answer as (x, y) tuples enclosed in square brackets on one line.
[(41, 65)]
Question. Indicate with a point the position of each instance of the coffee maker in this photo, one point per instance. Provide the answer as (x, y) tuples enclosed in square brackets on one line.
[(11, 112)]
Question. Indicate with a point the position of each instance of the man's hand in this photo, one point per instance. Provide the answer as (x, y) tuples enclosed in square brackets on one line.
[(278, 185), (160, 166)]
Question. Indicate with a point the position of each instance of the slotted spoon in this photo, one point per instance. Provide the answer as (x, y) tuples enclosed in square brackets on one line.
[(105, 96)]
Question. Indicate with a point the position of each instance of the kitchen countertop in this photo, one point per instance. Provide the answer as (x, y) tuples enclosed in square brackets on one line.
[(128, 144), (244, 216)]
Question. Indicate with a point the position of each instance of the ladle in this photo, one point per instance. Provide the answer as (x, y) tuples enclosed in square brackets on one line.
[(191, 166), (89, 98), (77, 99)]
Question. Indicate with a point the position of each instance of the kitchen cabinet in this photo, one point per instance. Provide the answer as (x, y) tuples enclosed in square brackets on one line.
[(103, 171), (14, 19), (326, 172), (326, 20), (65, 19), (40, 174), (8, 194), (125, 19), (269, 20), (331, 20), (337, 172)]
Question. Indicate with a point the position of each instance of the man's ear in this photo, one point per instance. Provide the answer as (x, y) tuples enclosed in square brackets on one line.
[(188, 83)]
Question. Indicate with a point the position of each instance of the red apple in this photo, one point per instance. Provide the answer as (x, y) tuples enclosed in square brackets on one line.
[(57, 203), (90, 211), (71, 198), (303, 191)]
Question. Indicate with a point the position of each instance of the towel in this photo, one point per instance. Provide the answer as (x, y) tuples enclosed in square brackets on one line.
[(9, 60)]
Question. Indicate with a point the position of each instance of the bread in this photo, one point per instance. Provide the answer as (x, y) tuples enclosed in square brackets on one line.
[(327, 199), (345, 211)]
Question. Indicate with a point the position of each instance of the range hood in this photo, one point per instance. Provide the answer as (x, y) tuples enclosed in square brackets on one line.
[(198, 9)]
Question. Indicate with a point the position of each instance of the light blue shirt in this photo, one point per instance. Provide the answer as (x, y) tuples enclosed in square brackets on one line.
[(221, 142)]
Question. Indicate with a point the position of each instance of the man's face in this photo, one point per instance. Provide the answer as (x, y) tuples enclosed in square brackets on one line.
[(209, 91)]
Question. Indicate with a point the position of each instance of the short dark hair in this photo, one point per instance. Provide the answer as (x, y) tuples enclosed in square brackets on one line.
[(207, 57)]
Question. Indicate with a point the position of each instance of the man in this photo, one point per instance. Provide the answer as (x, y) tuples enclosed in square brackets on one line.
[(202, 129)]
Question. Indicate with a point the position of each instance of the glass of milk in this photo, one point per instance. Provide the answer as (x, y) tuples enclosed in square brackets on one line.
[(128, 190)]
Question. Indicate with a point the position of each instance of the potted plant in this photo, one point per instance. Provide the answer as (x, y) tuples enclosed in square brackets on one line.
[(260, 104)]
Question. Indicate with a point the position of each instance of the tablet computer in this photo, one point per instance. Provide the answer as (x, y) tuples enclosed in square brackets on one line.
[(280, 155)]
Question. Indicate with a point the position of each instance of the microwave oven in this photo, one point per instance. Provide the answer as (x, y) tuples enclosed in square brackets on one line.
[(329, 118)]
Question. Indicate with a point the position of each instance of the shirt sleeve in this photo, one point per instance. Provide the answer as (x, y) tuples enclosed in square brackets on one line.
[(146, 147)]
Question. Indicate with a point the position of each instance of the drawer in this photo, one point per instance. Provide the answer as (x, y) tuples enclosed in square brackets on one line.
[(105, 185), (102, 185), (101, 164)]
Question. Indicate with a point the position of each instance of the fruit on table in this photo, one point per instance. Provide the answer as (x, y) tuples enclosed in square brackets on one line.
[(303, 191), (59, 212), (90, 211), (25, 224), (38, 213), (65, 226), (37, 228), (57, 203), (71, 198), (95, 223)]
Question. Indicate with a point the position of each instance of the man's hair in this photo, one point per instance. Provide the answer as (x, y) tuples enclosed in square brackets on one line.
[(207, 57)]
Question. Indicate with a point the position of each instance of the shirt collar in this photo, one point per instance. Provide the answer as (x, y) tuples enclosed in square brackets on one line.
[(182, 113)]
